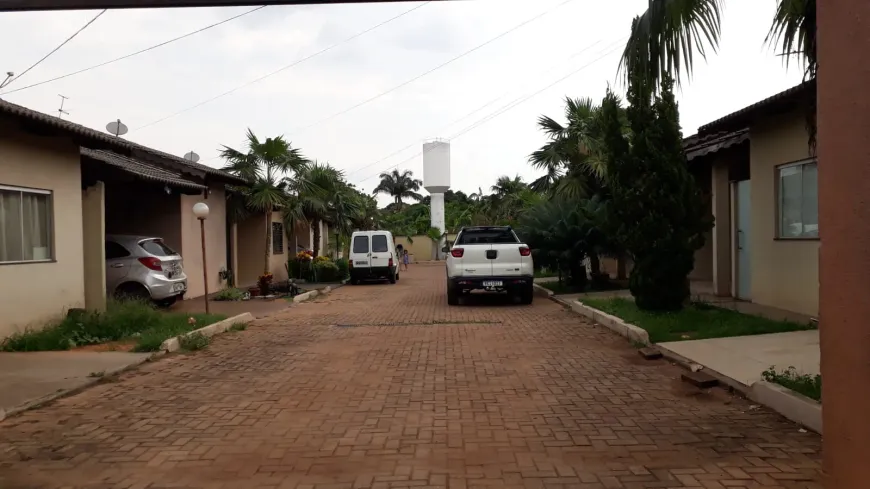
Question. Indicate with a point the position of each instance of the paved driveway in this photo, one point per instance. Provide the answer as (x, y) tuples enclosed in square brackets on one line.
[(386, 386)]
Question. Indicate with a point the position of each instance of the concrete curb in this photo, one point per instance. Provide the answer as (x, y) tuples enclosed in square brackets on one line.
[(311, 294), (613, 323), (723, 379), (173, 344), (89, 382), (796, 407), (541, 291)]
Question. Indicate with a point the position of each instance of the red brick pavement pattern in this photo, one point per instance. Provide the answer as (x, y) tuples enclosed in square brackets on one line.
[(385, 386)]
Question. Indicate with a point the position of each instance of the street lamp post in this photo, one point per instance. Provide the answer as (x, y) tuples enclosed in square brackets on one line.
[(200, 210)]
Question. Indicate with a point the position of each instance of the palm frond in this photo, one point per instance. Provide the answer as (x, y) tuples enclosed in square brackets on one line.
[(794, 30)]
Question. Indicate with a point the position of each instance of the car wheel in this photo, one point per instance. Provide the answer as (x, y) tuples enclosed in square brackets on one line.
[(397, 276), (132, 291), (452, 296), (527, 295), (392, 277)]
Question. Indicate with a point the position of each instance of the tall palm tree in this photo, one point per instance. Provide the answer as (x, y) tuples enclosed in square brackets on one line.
[(665, 39), (265, 165), (399, 185)]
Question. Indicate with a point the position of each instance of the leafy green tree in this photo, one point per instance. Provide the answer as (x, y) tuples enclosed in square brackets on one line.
[(656, 210), (399, 185), (269, 167)]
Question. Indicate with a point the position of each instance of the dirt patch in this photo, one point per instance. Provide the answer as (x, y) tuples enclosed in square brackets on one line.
[(124, 345)]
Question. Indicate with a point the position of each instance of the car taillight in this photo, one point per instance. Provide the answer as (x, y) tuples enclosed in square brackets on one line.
[(457, 252), (151, 263), (390, 263), (525, 251)]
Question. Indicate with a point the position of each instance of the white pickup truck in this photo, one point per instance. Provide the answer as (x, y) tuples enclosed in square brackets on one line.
[(489, 258)]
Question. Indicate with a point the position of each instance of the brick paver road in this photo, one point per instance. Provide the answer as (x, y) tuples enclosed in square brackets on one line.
[(385, 386)]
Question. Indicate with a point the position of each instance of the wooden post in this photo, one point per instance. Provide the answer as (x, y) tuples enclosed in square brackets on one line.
[(204, 263)]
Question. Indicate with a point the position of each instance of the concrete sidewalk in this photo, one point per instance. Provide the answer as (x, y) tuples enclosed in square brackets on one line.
[(27, 379), (743, 358)]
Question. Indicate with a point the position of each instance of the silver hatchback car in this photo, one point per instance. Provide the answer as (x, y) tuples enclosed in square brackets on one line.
[(145, 268)]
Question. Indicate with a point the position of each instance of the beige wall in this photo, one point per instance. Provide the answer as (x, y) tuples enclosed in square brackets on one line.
[(32, 294), (94, 248), (249, 254), (422, 249), (277, 260), (215, 241), (785, 273)]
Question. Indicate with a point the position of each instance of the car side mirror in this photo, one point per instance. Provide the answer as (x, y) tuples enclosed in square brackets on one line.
[(445, 249)]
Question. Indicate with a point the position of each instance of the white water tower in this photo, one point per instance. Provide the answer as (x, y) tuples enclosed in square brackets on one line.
[(436, 180)]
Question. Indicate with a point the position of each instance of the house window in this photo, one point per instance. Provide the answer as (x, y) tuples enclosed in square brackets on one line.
[(25, 225), (277, 238), (798, 204)]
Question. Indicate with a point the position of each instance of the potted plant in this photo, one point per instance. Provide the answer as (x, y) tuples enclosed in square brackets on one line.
[(264, 283)]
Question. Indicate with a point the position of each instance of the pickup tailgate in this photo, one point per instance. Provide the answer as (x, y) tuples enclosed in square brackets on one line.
[(508, 260), (474, 262)]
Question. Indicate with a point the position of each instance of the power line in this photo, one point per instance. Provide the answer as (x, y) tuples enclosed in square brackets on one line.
[(70, 38), (286, 67), (606, 52), (164, 43), (442, 65), (469, 114)]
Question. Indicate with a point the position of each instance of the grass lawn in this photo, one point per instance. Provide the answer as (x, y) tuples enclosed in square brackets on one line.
[(808, 385), (697, 321), (136, 322)]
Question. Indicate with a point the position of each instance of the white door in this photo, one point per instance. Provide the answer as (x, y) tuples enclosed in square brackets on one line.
[(743, 239), (380, 255), (359, 251)]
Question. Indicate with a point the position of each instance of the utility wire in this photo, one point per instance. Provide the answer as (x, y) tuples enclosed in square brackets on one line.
[(606, 52), (164, 43), (469, 114), (442, 65), (70, 38), (286, 67)]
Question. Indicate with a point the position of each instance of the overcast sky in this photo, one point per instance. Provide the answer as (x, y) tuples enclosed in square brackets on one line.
[(581, 36)]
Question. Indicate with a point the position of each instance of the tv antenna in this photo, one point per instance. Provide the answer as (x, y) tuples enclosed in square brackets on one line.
[(60, 111), (192, 157), (117, 128), (8, 79)]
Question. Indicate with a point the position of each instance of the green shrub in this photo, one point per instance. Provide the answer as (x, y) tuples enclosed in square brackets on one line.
[(193, 341), (343, 268), (238, 327), (122, 320), (229, 295), (326, 271), (293, 268), (808, 385)]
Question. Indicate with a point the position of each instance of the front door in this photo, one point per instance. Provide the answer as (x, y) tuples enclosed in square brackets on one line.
[(743, 225)]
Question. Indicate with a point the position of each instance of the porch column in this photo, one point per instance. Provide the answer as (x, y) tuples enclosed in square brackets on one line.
[(94, 249), (721, 235), (234, 265), (844, 210)]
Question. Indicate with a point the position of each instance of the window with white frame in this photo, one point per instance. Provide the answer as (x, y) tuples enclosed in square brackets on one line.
[(25, 225), (798, 200)]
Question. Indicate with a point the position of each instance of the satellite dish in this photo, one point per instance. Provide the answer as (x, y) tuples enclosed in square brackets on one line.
[(191, 156), (117, 128)]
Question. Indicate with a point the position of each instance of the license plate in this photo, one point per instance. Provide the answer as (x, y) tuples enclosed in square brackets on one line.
[(492, 283), (360, 263), (178, 287)]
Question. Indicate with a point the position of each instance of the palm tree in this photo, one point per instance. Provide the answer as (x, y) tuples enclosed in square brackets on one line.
[(318, 194), (399, 185), (265, 165), (665, 38)]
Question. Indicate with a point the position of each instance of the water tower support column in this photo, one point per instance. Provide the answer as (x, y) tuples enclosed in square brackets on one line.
[(437, 213)]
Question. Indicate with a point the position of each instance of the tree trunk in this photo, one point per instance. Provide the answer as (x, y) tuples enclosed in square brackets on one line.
[(594, 264), (316, 245), (267, 254)]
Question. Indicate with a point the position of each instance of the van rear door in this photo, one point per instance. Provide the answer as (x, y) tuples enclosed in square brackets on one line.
[(380, 254), (359, 251)]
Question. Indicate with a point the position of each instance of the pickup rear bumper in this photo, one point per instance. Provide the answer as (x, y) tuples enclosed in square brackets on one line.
[(477, 283)]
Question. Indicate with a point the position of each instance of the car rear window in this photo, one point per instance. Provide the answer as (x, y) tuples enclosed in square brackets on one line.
[(486, 236), (379, 243), (361, 244), (157, 248)]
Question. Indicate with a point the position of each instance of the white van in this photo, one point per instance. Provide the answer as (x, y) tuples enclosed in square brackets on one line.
[(373, 257)]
